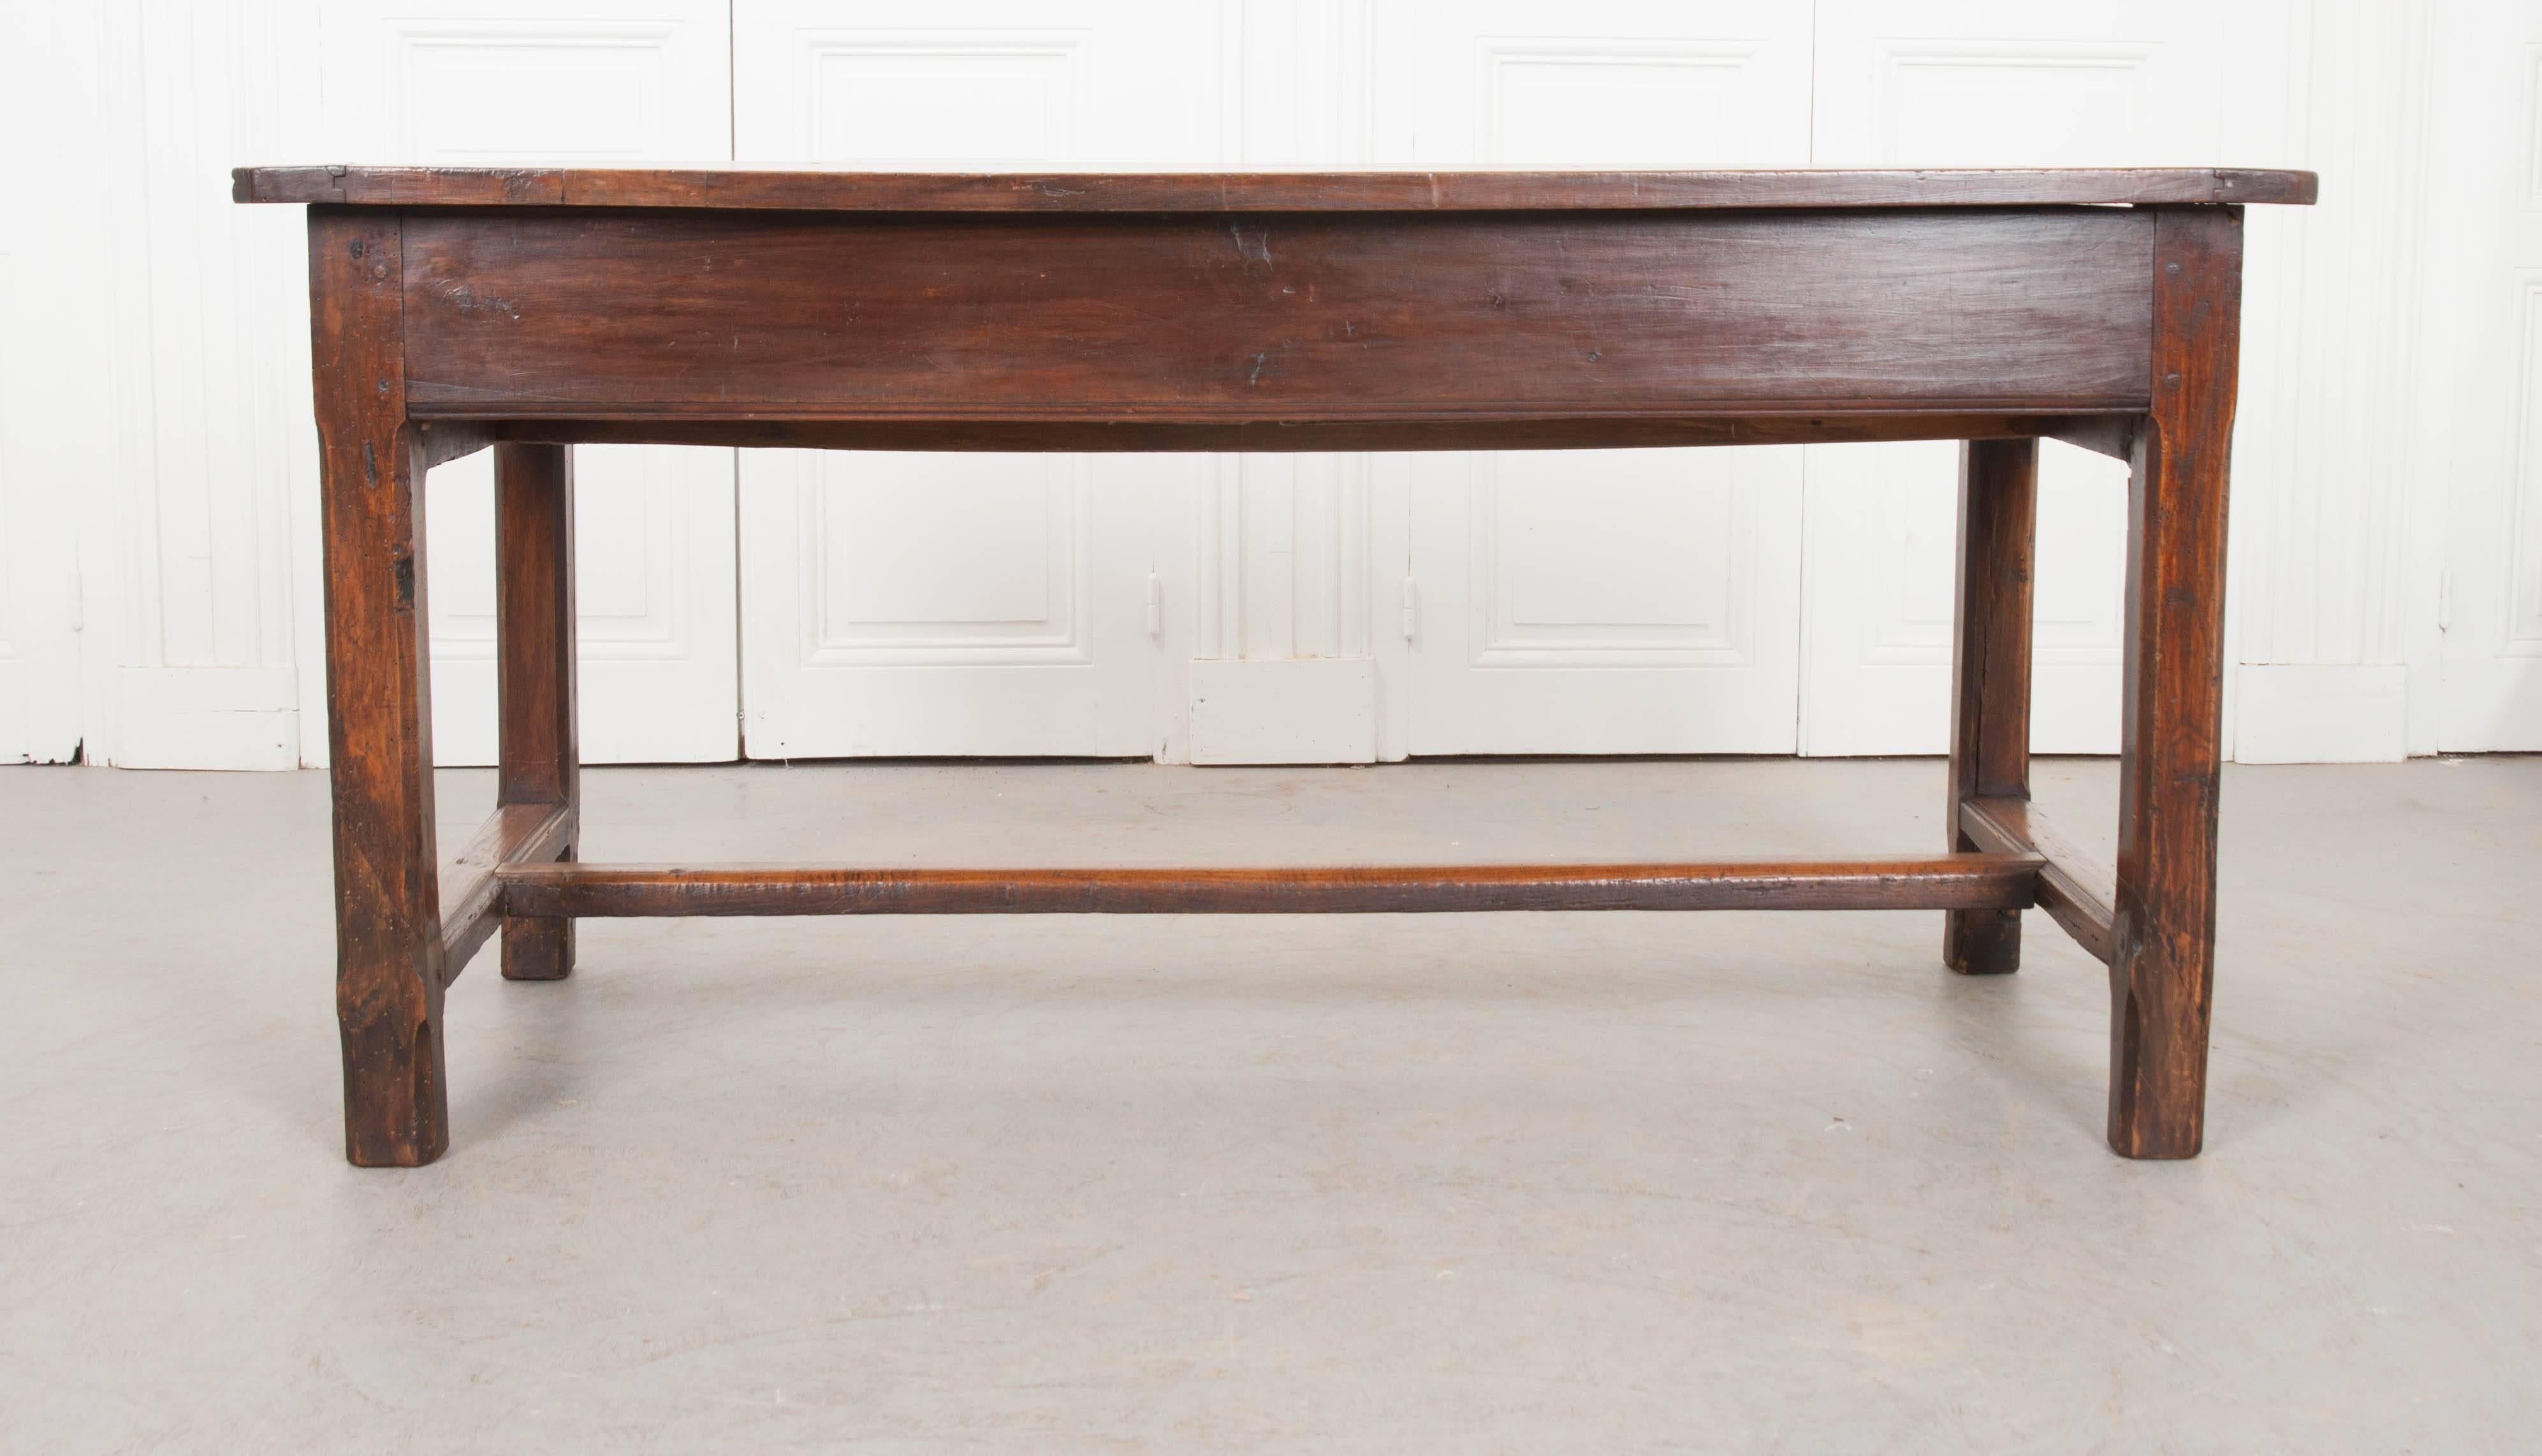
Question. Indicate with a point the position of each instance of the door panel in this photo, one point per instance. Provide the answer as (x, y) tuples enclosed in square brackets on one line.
[(2489, 150), (38, 586), (1986, 85), (1605, 601), (610, 84), (52, 353), (961, 603), (1635, 600)]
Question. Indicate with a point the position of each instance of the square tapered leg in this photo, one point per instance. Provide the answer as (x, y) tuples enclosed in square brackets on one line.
[(1991, 674), (534, 666), (2163, 944), (388, 952)]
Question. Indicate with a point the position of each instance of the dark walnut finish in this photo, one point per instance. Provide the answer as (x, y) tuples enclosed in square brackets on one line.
[(1481, 190), (533, 309), (390, 953), (1990, 673), (534, 683), (1344, 318), (1953, 882)]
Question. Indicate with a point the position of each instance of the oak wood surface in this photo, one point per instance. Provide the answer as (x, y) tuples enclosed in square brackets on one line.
[(1937, 883), (545, 313), (532, 308), (728, 186), (534, 613), (1990, 671), (2112, 435), (2074, 888), (388, 968), (1759, 426), (2163, 934), (471, 895)]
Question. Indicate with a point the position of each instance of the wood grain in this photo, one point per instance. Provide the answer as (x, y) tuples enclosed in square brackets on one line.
[(2163, 938), (534, 615), (1957, 881), (2074, 888), (451, 440), (1257, 192), (1759, 426), (2112, 435), (472, 896), (955, 321), (1990, 671), (535, 308), (388, 968)]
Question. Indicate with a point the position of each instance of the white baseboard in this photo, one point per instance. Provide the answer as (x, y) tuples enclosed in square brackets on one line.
[(1284, 710), (206, 718), (2322, 713)]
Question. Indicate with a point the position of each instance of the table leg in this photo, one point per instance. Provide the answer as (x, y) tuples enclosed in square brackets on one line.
[(534, 624), (1990, 673), (2162, 966), (379, 699)]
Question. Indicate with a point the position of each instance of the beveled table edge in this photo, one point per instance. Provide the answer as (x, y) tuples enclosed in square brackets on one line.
[(1464, 190)]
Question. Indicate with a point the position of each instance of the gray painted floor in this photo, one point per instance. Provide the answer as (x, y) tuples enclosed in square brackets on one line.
[(1523, 1183)]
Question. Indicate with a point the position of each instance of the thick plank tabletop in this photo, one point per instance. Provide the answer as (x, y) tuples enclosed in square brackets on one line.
[(1254, 191)]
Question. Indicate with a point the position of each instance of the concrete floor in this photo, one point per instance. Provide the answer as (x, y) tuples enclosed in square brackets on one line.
[(1514, 1182)]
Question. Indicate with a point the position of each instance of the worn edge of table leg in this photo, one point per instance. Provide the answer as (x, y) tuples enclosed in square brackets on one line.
[(2076, 890), (472, 888), (1939, 882)]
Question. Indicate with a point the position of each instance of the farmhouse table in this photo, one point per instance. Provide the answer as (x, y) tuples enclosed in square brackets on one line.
[(457, 309)]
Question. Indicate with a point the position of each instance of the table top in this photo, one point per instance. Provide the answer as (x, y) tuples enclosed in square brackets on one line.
[(1485, 190)]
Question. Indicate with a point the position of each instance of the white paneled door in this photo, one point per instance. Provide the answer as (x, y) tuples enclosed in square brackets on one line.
[(1904, 83), (1598, 602), (966, 604), (606, 83), (2490, 138), (39, 721), (159, 590), (48, 462)]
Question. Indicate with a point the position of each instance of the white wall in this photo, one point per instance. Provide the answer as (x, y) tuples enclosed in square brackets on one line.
[(158, 567)]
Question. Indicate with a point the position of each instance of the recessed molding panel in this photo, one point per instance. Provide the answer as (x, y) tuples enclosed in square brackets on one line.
[(943, 560), (631, 555), (976, 84), (2082, 501), (1552, 101), (1602, 83), (1906, 590), (1610, 559), (2078, 608), (2524, 626), (493, 91), (2013, 102), (916, 98), (2533, 126)]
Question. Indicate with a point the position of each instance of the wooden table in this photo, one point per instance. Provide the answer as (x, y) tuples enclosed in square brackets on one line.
[(457, 309)]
